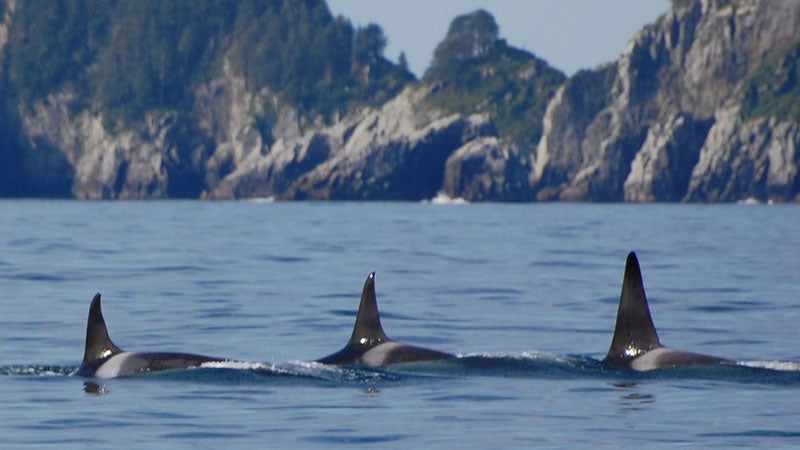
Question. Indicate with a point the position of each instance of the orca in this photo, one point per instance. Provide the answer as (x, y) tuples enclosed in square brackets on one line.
[(369, 345), (635, 343), (103, 359)]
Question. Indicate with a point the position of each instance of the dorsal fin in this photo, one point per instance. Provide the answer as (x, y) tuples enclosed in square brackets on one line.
[(98, 344), (634, 333), (368, 330)]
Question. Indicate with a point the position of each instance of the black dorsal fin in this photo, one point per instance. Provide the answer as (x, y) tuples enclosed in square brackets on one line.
[(634, 333), (98, 344), (368, 330)]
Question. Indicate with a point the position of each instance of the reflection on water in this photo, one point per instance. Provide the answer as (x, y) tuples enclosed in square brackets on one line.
[(633, 401), (91, 387)]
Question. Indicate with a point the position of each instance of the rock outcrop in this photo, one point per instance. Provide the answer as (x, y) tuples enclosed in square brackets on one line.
[(661, 169), (392, 154), (662, 123), (487, 169), (747, 159), (163, 158), (396, 152)]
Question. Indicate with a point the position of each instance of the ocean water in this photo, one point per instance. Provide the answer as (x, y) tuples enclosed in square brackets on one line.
[(526, 295)]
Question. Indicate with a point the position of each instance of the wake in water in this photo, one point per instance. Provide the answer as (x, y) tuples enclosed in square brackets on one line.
[(444, 199), (783, 366), (38, 370), (534, 365)]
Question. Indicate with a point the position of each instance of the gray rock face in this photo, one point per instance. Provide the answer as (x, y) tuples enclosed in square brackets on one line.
[(259, 144), (395, 152), (756, 159), (163, 158), (663, 123), (487, 169), (661, 169), (640, 140)]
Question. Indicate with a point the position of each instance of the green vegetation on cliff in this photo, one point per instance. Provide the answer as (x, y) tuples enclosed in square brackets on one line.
[(125, 58), (52, 42), (474, 71), (774, 89), (128, 57), (318, 62)]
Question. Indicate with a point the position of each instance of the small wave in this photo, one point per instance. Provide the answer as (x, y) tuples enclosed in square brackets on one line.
[(261, 200), (444, 199), (522, 363), (299, 370), (236, 365), (531, 363), (749, 201), (284, 258), (525, 354), (782, 366), (753, 201), (534, 364), (529, 355), (37, 276), (37, 370)]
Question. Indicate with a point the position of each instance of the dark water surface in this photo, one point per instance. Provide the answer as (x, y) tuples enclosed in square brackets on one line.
[(526, 295)]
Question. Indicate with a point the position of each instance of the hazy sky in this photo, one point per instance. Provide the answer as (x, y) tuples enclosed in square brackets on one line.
[(568, 34)]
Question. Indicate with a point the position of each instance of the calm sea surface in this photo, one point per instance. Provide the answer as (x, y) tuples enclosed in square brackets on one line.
[(526, 295)]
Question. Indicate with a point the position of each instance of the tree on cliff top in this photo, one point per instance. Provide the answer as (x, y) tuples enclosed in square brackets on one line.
[(126, 58), (470, 38), (475, 71)]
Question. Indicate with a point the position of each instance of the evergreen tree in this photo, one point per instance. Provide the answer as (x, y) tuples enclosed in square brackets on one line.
[(476, 71), (470, 38)]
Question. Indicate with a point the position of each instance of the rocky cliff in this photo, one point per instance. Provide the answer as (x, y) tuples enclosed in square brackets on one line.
[(686, 114), (665, 121), (395, 152)]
